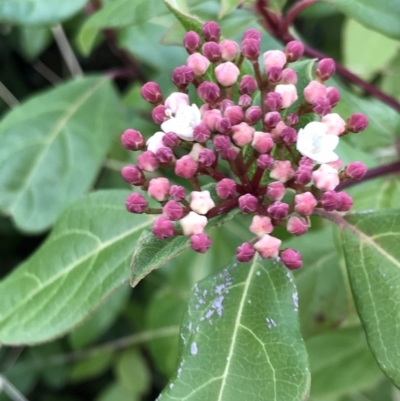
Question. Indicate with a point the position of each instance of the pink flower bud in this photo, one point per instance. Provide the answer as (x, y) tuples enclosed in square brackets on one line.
[(159, 189), (225, 104), (313, 91), (288, 93), (147, 161), (242, 134), (185, 167), (248, 203), (133, 175), (253, 115), (289, 76), (226, 188), (252, 33), (277, 131), (176, 99), (274, 74), (321, 106), (245, 252), (229, 49), (245, 101), (223, 125), (211, 31), (165, 155), (182, 76), (172, 210), (276, 191), (289, 135), (136, 203), (262, 142), (248, 85), (294, 50), (212, 51), (291, 259), (208, 92), (235, 114), (222, 143), (207, 158), (292, 119), (198, 63), (211, 117), (192, 42), (306, 162), (345, 202), (250, 49), (195, 151), (230, 154), (158, 114), (272, 119), (193, 224), (297, 225), (333, 95), (305, 203), (326, 178), (273, 101), (325, 68), (336, 125), (227, 73), (355, 170), (201, 133), (303, 175), (282, 171), (170, 140), (265, 161), (278, 210), (261, 225), (200, 242), (330, 201), (357, 123), (132, 140), (163, 228), (201, 202), (151, 92), (274, 58), (177, 192), (267, 246)]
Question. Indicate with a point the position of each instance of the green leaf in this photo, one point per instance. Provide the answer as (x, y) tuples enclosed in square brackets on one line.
[(241, 338), (227, 6), (372, 250), (33, 40), (51, 148), (92, 366), (381, 16), (181, 11), (81, 263), (390, 78), (116, 391), (38, 12)]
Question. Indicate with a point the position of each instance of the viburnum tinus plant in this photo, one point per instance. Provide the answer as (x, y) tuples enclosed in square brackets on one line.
[(268, 145)]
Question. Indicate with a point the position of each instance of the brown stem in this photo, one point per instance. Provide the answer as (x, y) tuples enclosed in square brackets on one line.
[(224, 208), (296, 9)]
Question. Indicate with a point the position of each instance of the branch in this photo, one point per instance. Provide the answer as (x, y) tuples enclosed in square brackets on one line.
[(295, 11), (7, 96)]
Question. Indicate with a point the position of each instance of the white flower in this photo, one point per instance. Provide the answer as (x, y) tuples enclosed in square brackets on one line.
[(184, 121), (314, 142), (201, 202), (175, 99), (155, 142), (193, 224)]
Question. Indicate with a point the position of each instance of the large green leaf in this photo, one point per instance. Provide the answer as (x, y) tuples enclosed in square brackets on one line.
[(51, 148), (85, 258), (181, 11), (227, 6), (381, 16), (241, 338), (38, 12), (371, 243)]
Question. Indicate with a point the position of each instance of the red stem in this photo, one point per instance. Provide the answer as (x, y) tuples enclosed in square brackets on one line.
[(224, 208), (294, 12)]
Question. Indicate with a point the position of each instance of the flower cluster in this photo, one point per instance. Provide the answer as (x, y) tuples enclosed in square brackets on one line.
[(251, 136)]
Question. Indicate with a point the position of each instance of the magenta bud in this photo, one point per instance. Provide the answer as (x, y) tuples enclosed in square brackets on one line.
[(207, 158), (303, 175), (247, 85), (250, 48), (253, 115), (230, 154), (136, 203), (223, 125), (200, 242), (306, 162), (252, 33), (226, 188), (133, 175), (151, 92), (182, 76), (212, 51), (345, 202), (165, 155), (322, 106), (289, 76), (211, 31), (272, 119), (225, 104), (177, 192), (274, 74), (235, 114), (192, 42), (278, 210), (170, 140), (185, 167), (222, 143), (245, 252), (294, 50), (297, 225), (289, 136), (325, 68), (265, 161), (208, 92), (330, 201), (273, 101), (276, 191), (248, 203), (292, 119), (158, 114), (132, 140), (355, 170), (357, 123), (172, 210), (163, 228), (201, 133), (245, 101), (333, 95), (147, 161), (291, 259)]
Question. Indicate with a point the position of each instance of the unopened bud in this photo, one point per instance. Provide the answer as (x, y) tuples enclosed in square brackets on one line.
[(147, 161), (313, 91), (245, 101), (136, 203), (276, 191), (272, 119), (268, 246), (177, 192), (282, 170), (222, 143), (242, 134), (159, 189), (245, 252), (291, 259), (273, 101), (278, 210), (294, 50), (274, 74), (201, 133), (192, 42), (355, 170), (165, 155), (321, 106), (330, 201), (151, 92), (248, 203), (200, 242), (292, 119), (158, 114), (170, 140), (262, 142), (250, 49), (252, 33), (345, 202), (288, 93), (297, 225), (163, 228), (248, 85), (289, 135), (193, 224), (357, 123), (208, 92), (333, 95), (305, 203), (229, 49), (182, 76), (226, 188), (211, 31), (212, 51), (133, 175), (185, 167), (253, 115), (132, 140), (235, 114), (265, 161), (289, 76), (325, 68), (198, 63), (207, 158), (172, 210), (223, 125), (261, 225), (274, 58)]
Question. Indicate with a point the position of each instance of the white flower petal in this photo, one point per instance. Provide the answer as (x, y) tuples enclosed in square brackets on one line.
[(331, 141), (325, 157), (155, 142)]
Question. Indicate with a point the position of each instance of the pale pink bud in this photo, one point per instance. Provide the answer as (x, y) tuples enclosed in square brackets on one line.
[(272, 119), (253, 115), (292, 119), (177, 192), (201, 133), (291, 259), (158, 114), (333, 95), (305, 203), (176, 99), (200, 242), (252, 33), (337, 164), (226, 188), (185, 167), (209, 92), (248, 85), (326, 178), (172, 210), (211, 31), (235, 114), (182, 76), (336, 125), (207, 158), (136, 203), (294, 50), (357, 123), (165, 155), (325, 68), (227, 73), (330, 201), (147, 161), (267, 246), (133, 175), (282, 170), (345, 202), (265, 161), (248, 203), (297, 225), (229, 49), (277, 131), (211, 117), (195, 151), (278, 210), (250, 48), (355, 170), (289, 76), (276, 191), (245, 252), (212, 51), (274, 74), (193, 224), (159, 189), (321, 106), (242, 134), (163, 228), (288, 93), (198, 63), (245, 101), (261, 225), (262, 142), (201, 202), (313, 91), (132, 140), (151, 92), (192, 42), (289, 135), (274, 58), (170, 140)]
